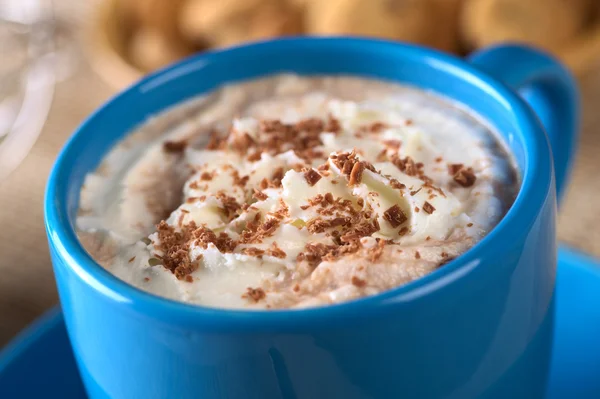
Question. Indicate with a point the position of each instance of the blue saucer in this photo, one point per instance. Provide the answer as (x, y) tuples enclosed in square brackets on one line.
[(40, 363)]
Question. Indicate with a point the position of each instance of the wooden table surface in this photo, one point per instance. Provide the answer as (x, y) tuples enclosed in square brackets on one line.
[(27, 285)]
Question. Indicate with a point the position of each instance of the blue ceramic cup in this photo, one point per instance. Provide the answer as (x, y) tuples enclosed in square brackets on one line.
[(481, 326)]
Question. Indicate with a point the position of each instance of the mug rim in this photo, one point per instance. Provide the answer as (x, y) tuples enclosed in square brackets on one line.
[(536, 174)]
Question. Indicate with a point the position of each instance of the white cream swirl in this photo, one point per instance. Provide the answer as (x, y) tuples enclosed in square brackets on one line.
[(281, 204)]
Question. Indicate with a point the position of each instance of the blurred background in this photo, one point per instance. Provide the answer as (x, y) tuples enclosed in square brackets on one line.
[(60, 59)]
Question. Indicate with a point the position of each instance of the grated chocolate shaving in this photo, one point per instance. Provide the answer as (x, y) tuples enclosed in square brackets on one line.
[(203, 236), (312, 177), (332, 125), (356, 173), (174, 147), (465, 177), (206, 176), (410, 167), (434, 188), (323, 167), (277, 177), (275, 251), (216, 141), (427, 207), (259, 195), (230, 204), (180, 219), (406, 165), (453, 168), (348, 166), (255, 232), (346, 161), (319, 225), (254, 156), (358, 282), (238, 180), (254, 294), (275, 137), (175, 247), (251, 251), (395, 216), (395, 184), (377, 127), (240, 141), (375, 252), (314, 253)]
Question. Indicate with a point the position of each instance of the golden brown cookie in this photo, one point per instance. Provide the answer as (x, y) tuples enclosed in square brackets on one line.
[(446, 31), (150, 49), (549, 24), (271, 21), (582, 54), (196, 17), (406, 19), (159, 15), (427, 22), (300, 4), (227, 22)]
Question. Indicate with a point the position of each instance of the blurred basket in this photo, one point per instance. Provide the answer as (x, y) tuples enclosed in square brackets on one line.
[(116, 29), (450, 25)]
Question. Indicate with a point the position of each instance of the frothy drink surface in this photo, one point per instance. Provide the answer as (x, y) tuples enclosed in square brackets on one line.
[(291, 192)]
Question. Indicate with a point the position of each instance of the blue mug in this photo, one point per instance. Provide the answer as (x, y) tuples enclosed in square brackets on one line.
[(481, 326)]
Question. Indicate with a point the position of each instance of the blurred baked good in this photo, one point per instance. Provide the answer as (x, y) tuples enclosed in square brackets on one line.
[(226, 22), (300, 3), (196, 17), (583, 52), (150, 49), (407, 19), (427, 22), (549, 24), (160, 15), (446, 34)]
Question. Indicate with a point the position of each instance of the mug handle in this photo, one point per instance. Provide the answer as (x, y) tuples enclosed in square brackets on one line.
[(549, 89)]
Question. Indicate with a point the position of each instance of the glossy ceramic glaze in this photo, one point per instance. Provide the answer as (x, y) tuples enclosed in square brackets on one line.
[(40, 360), (481, 326)]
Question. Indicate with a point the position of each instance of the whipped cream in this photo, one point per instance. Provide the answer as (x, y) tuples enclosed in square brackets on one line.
[(315, 191)]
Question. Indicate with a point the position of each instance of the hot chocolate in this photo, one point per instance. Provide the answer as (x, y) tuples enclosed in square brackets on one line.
[(291, 192)]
